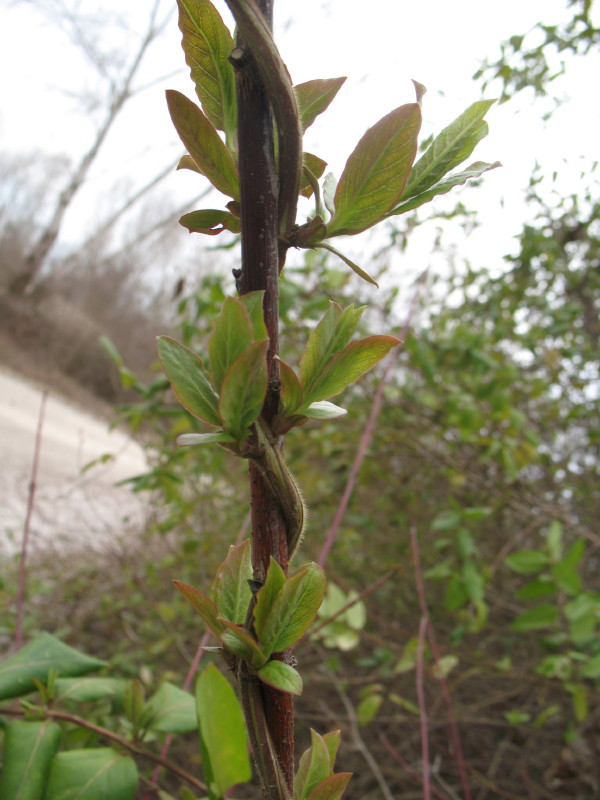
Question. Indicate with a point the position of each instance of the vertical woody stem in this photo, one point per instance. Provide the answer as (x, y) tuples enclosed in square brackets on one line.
[(258, 195)]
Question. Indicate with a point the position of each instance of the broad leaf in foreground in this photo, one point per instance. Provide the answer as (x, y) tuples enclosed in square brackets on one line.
[(189, 380)]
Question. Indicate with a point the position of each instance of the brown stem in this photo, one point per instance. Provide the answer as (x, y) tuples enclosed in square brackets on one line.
[(259, 222), (114, 737)]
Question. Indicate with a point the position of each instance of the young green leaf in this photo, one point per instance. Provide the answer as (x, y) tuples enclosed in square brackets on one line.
[(314, 98), (329, 189), (189, 380), (346, 367), (331, 788), (316, 167), (332, 740), (223, 736), (324, 410), (37, 659), (244, 389), (291, 391), (102, 772), (207, 45), (281, 676), (210, 221), (331, 335), (527, 562), (230, 590), (170, 710), (203, 143), (86, 690), (541, 616), (314, 767), (240, 643), (203, 605), (376, 172), (266, 595), (453, 146), (354, 267), (204, 438), (294, 609), (475, 170), (253, 302), (29, 748), (231, 334)]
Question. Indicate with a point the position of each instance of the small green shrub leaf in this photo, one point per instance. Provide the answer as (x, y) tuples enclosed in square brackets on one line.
[(171, 710), (527, 562), (353, 266), (92, 774), (87, 690), (316, 167), (331, 788), (332, 740), (347, 366), (536, 589), (281, 676), (314, 98), (240, 643), (232, 333), (449, 149), (223, 737), (207, 45), (313, 768), (475, 170), (266, 595), (35, 661), (291, 391), (294, 609), (203, 605), (189, 380), (210, 221), (253, 302), (204, 144), (591, 668), (230, 590), (244, 389), (375, 174), (541, 616), (187, 439), (29, 748), (368, 708)]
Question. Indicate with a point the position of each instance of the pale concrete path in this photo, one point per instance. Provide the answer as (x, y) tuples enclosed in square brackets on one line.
[(83, 509)]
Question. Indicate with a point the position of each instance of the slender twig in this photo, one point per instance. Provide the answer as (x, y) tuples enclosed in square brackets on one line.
[(62, 716), (408, 769), (27, 525), (458, 752), (369, 430)]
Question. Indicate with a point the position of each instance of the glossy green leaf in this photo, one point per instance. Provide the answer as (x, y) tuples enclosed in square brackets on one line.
[(29, 748), (316, 166), (314, 98), (266, 595), (332, 740), (313, 768), (353, 266), (36, 659), (230, 590), (253, 303), (207, 45), (210, 221), (449, 149), (223, 737), (87, 690), (281, 676), (376, 172), (475, 170), (541, 616), (171, 710), (231, 334), (331, 788), (189, 380), (92, 774), (346, 367), (331, 335), (203, 144), (244, 389), (240, 643), (527, 561), (324, 410), (294, 609), (203, 606), (291, 391)]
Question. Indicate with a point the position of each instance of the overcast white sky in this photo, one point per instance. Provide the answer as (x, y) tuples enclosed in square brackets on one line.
[(379, 44)]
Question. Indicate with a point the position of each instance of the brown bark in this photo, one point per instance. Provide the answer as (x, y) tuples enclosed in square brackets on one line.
[(260, 271)]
